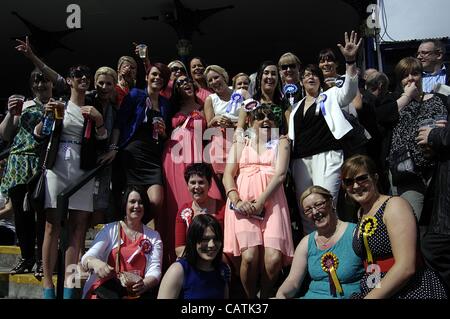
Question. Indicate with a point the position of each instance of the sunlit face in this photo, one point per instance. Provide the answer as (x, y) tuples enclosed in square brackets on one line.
[(216, 81), (128, 71), (269, 79), (310, 81), (41, 87), (318, 209), (104, 86), (209, 246), (428, 56), (199, 187), (328, 68), (185, 86), (197, 69), (289, 71), (413, 77), (263, 119), (135, 207), (242, 82), (79, 81), (360, 187), (176, 70), (154, 80)]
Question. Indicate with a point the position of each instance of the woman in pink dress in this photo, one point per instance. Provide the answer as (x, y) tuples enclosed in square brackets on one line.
[(257, 222), (184, 147)]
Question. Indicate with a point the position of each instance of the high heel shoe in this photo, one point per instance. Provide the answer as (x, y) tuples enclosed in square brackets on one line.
[(39, 270)]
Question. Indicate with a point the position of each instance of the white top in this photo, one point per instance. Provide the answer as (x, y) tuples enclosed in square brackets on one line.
[(337, 100), (227, 108), (106, 241)]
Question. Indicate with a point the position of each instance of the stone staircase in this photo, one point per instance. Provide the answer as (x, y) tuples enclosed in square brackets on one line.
[(27, 286)]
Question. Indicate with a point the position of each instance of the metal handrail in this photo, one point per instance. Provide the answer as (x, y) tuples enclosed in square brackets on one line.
[(62, 207)]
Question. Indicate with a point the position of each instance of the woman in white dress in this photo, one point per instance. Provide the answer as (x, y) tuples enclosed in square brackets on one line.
[(75, 142)]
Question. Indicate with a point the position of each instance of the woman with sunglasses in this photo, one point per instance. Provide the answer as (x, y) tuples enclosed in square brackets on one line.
[(17, 127), (221, 111), (257, 221), (183, 148), (386, 238), (289, 66), (200, 272), (177, 69), (330, 245), (75, 140), (316, 124)]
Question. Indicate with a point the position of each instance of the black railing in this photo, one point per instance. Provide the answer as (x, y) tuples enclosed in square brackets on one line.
[(62, 207)]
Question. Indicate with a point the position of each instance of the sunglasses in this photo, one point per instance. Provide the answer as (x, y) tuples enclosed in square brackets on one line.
[(39, 77), (79, 73), (358, 179), (182, 82), (316, 206), (262, 116), (177, 69), (284, 67)]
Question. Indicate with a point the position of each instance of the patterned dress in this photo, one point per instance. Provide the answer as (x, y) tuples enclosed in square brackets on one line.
[(424, 284), (24, 156)]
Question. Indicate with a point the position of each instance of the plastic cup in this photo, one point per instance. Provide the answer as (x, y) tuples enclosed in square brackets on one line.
[(440, 117), (155, 120), (20, 99), (59, 111), (142, 50), (427, 123), (130, 292)]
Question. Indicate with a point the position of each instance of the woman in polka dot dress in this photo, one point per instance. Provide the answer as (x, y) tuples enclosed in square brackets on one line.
[(386, 239)]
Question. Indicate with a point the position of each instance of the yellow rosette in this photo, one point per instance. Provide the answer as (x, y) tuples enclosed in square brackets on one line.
[(330, 263), (367, 228)]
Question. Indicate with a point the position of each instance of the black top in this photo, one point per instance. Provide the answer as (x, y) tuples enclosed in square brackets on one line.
[(312, 135)]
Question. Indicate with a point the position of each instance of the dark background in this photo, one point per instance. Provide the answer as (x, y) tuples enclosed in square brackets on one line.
[(237, 39)]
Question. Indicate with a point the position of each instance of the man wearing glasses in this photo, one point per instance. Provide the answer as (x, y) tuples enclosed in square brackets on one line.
[(431, 54)]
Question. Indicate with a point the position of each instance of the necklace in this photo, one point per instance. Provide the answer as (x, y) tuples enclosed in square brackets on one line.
[(327, 244), (132, 234)]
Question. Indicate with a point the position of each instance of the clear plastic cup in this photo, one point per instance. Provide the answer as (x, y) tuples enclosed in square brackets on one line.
[(155, 120), (59, 111), (142, 50), (427, 123), (20, 99)]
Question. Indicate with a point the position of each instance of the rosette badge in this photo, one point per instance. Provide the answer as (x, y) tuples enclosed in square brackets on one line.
[(329, 263), (251, 105), (144, 246), (235, 99), (367, 228), (320, 101), (187, 214), (290, 89)]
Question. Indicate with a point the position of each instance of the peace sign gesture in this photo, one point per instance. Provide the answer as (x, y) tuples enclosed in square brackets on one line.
[(24, 47), (351, 46)]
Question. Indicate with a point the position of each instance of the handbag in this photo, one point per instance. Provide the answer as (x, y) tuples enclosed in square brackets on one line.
[(402, 165)]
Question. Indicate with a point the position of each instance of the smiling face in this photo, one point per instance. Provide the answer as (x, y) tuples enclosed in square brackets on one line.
[(134, 207), (185, 86), (79, 79), (289, 70), (209, 245), (41, 86), (361, 186), (429, 56), (269, 79), (197, 69), (199, 187), (216, 81), (242, 82), (318, 209), (154, 80), (263, 118), (176, 70), (128, 71), (104, 86), (328, 67)]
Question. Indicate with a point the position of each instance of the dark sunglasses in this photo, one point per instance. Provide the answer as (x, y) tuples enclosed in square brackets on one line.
[(183, 81), (262, 116), (284, 67), (79, 73), (358, 179), (176, 69), (39, 77)]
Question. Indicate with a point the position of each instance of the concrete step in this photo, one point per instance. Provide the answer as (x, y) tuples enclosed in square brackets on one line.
[(21, 286), (9, 256)]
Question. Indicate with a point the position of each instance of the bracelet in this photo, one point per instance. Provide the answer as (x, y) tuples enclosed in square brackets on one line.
[(99, 127), (350, 62), (231, 190), (113, 147)]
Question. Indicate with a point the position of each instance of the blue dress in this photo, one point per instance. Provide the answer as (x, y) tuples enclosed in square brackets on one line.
[(200, 284), (349, 271)]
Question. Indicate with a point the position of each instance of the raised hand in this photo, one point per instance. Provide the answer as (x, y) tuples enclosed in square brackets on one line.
[(24, 47), (351, 47)]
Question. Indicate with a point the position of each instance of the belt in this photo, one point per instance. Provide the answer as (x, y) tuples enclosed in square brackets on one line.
[(70, 142)]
